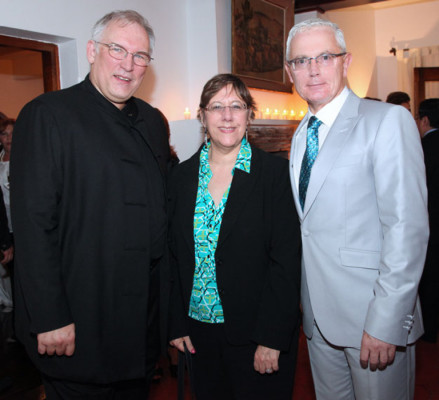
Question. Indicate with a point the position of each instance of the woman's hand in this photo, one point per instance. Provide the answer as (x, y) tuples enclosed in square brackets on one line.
[(178, 343), (266, 360)]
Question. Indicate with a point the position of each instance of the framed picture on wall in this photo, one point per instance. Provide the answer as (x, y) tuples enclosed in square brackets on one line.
[(259, 33)]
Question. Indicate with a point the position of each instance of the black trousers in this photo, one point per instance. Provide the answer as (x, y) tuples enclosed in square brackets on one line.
[(57, 389), (135, 389), (223, 371)]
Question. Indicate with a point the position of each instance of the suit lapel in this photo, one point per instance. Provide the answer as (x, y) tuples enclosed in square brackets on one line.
[(331, 149), (241, 189), (188, 199)]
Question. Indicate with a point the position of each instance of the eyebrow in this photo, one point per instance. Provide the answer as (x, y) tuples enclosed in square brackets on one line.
[(135, 52)]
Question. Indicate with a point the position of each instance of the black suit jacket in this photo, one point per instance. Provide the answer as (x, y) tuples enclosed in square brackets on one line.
[(257, 257), (5, 236), (430, 277), (430, 145), (83, 230)]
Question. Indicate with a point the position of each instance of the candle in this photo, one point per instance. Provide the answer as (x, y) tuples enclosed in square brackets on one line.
[(275, 114), (267, 114), (292, 114), (301, 113), (284, 114), (187, 113)]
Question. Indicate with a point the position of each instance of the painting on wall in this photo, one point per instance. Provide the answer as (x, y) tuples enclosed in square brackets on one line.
[(259, 32)]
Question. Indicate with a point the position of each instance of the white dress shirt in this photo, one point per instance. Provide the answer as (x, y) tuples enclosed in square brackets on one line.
[(327, 115)]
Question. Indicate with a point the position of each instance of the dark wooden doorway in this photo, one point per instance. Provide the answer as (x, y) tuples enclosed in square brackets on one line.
[(422, 75), (50, 58)]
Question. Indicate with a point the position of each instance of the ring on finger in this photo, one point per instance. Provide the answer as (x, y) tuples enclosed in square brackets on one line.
[(268, 370)]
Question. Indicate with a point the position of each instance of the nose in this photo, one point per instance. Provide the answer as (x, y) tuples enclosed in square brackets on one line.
[(313, 67), (227, 114), (128, 62)]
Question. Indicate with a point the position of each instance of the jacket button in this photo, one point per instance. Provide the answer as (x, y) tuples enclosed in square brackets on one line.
[(221, 291), (218, 261)]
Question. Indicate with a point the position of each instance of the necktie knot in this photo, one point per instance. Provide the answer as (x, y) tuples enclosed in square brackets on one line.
[(312, 148), (314, 124)]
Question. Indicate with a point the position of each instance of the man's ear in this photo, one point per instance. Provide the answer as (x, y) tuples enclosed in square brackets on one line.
[(290, 75), (91, 51), (346, 62)]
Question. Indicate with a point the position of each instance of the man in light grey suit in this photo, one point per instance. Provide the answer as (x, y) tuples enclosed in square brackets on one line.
[(358, 179)]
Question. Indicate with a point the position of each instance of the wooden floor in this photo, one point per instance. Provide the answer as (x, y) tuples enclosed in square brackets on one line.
[(26, 383)]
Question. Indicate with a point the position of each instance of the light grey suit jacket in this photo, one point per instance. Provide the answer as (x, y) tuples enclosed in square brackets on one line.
[(365, 227)]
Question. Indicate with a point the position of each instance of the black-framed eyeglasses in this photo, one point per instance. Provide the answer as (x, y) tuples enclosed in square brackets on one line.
[(118, 52), (324, 60)]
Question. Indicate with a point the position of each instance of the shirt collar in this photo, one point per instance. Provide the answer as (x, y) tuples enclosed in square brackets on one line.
[(242, 162), (431, 130), (330, 111)]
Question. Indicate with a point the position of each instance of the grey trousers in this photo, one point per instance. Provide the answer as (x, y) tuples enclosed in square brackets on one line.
[(337, 373)]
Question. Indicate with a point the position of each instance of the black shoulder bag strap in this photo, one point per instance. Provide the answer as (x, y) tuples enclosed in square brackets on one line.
[(187, 356)]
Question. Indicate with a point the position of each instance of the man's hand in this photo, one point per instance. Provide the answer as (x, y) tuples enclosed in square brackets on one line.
[(8, 255), (60, 341), (266, 360), (376, 353), (179, 344)]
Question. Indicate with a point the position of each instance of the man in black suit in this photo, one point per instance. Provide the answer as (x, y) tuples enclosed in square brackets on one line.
[(88, 207), (428, 124)]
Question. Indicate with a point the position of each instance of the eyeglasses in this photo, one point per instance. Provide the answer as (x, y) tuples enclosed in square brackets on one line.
[(218, 108), (324, 60), (116, 51)]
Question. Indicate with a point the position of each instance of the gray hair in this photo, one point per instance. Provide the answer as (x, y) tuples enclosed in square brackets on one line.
[(127, 17), (317, 23)]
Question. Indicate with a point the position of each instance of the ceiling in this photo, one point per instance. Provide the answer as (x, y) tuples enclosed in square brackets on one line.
[(327, 5)]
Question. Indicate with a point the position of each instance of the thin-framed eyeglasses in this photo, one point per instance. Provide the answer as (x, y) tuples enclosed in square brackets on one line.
[(118, 52), (324, 60), (219, 108)]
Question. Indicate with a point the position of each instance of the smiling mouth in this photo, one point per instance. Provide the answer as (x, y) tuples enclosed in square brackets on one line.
[(122, 78)]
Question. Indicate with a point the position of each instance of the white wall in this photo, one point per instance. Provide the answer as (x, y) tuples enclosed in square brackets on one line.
[(411, 26), (370, 34), (359, 31)]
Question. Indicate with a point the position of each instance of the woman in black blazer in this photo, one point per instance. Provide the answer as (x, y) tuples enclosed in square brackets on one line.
[(235, 246)]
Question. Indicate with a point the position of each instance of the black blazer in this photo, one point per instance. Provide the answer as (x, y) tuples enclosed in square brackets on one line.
[(257, 257), (430, 145), (82, 229)]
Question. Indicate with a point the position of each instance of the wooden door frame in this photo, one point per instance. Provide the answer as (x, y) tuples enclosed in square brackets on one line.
[(422, 75), (50, 57)]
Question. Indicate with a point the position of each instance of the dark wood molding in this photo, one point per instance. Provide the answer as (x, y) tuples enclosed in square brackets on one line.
[(326, 5), (50, 57), (422, 75)]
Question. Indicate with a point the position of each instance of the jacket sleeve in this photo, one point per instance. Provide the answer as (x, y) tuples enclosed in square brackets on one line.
[(279, 312), (399, 176), (36, 198)]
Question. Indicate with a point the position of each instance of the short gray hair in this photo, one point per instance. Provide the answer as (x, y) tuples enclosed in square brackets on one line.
[(127, 17), (317, 23)]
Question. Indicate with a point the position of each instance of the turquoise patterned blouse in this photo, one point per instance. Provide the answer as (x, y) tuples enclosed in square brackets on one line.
[(205, 303)]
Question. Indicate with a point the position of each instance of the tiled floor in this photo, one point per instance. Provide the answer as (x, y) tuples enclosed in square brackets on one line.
[(26, 384)]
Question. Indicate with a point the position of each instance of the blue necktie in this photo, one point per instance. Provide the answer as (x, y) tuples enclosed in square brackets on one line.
[(312, 148)]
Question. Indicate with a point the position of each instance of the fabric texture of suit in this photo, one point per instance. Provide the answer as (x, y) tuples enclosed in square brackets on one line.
[(429, 287), (364, 227), (257, 258), (82, 231)]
